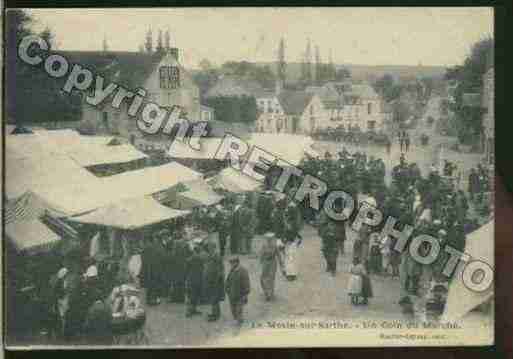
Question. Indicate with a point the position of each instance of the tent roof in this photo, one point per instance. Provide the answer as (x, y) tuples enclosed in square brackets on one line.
[(234, 181), (130, 214), (39, 173), (288, 147), (27, 207), (460, 299), (209, 147), (75, 198), (31, 235), (91, 150), (200, 193)]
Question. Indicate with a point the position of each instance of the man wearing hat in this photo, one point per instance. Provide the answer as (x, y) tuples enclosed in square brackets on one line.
[(237, 288), (214, 281), (223, 227), (328, 233), (194, 276)]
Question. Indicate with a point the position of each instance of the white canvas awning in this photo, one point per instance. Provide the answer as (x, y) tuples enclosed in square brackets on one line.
[(130, 214), (198, 193), (31, 236), (460, 299), (77, 198), (27, 207), (288, 147), (91, 150), (232, 180), (209, 147)]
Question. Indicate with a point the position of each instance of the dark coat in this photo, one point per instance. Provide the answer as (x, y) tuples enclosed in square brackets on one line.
[(214, 278), (153, 265), (194, 275), (237, 284), (179, 257)]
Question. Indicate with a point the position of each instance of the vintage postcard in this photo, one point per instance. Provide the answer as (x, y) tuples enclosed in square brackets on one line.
[(248, 177)]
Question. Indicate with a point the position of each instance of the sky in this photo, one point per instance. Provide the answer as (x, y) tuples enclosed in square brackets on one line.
[(366, 36)]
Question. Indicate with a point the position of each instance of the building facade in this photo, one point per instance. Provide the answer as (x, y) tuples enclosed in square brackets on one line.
[(164, 81)]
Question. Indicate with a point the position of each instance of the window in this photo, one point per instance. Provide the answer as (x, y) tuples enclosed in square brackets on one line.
[(369, 108), (311, 110), (105, 117), (371, 125), (169, 77)]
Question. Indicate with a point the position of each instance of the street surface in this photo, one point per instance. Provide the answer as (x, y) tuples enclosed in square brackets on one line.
[(315, 294)]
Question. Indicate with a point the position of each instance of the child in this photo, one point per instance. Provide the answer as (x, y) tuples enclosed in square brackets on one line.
[(355, 285)]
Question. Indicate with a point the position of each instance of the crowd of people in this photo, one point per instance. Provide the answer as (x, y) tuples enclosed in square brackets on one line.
[(171, 266)]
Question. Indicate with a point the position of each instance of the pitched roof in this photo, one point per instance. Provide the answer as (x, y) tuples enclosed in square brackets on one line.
[(31, 236), (294, 102), (130, 213), (127, 68)]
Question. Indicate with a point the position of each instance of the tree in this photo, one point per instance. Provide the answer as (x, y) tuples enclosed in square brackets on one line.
[(31, 95), (247, 70), (233, 108), (342, 74), (469, 80)]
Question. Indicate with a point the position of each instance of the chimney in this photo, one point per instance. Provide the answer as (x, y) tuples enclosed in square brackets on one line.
[(174, 52)]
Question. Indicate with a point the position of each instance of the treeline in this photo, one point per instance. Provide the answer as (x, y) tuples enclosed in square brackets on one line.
[(233, 108), (31, 95), (469, 79)]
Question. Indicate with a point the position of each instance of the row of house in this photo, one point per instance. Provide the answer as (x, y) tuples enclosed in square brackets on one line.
[(318, 108), (167, 83)]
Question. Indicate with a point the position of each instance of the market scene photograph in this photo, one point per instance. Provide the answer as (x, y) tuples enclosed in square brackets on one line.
[(173, 182)]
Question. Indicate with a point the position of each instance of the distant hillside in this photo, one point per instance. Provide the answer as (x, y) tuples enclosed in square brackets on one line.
[(370, 73)]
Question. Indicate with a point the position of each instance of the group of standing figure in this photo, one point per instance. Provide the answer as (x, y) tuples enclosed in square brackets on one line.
[(404, 141)]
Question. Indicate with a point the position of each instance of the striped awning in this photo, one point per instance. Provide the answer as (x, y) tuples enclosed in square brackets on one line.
[(31, 236), (27, 207)]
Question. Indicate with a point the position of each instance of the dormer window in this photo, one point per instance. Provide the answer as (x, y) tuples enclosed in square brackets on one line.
[(169, 77)]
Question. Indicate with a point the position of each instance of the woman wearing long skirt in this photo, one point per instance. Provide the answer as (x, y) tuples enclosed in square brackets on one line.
[(269, 259), (290, 262), (354, 288)]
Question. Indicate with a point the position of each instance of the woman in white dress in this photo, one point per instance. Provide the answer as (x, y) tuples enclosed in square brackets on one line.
[(288, 253), (355, 285)]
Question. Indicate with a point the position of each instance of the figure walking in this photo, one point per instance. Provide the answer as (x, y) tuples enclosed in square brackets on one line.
[(237, 289), (269, 259)]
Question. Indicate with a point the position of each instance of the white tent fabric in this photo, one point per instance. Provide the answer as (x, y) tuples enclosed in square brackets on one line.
[(232, 180), (31, 236), (288, 147), (209, 147), (90, 150), (77, 198), (130, 214), (460, 299), (39, 173), (198, 193), (29, 206)]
